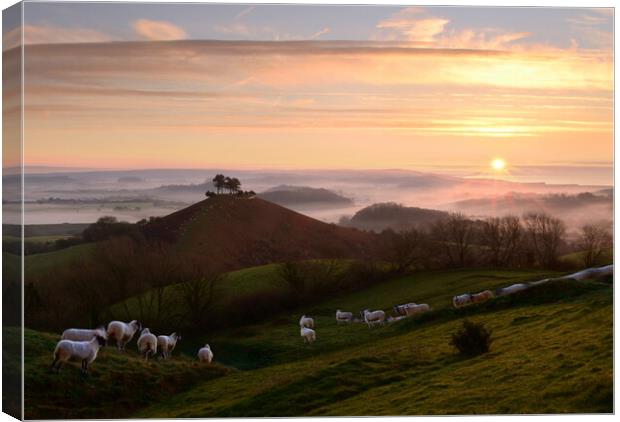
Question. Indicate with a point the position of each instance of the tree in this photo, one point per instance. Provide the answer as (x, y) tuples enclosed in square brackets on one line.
[(219, 182), (235, 185), (404, 248), (502, 236), (456, 234), (593, 241), (197, 297), (544, 235)]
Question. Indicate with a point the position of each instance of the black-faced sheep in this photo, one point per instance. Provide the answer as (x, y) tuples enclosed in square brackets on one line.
[(86, 351)]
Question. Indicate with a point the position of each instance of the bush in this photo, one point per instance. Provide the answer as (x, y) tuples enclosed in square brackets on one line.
[(472, 339)]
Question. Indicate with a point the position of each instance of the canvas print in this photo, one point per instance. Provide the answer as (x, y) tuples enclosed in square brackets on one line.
[(252, 210)]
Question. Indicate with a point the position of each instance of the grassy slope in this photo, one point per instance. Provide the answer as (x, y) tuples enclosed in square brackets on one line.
[(42, 262), (552, 355), (117, 386)]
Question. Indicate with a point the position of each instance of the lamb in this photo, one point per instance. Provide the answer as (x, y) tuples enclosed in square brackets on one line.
[(511, 289), (401, 309), (167, 344), (417, 309), (343, 316), (308, 335), (84, 350), (123, 332), (205, 354), (307, 322), (147, 344), (82, 334), (372, 318)]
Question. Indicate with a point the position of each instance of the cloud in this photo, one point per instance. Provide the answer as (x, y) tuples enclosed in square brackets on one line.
[(244, 12), (48, 34), (412, 24), (319, 33), (158, 30)]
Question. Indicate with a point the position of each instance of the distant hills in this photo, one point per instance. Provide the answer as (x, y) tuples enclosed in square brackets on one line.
[(287, 195), (390, 215)]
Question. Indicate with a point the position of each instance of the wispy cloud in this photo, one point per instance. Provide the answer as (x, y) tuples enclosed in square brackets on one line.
[(48, 34), (244, 12), (158, 30)]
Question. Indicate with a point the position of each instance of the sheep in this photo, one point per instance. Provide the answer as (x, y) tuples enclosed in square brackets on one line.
[(391, 319), (167, 344), (461, 300), (308, 335), (591, 273), (205, 354), (401, 309), (147, 344), (81, 334), (372, 318), (511, 289), (483, 296), (84, 350), (307, 322), (417, 309), (123, 332), (343, 316)]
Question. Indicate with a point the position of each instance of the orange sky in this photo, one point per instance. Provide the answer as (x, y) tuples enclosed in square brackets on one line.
[(435, 97)]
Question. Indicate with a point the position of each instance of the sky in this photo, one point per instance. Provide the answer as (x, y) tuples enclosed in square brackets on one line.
[(305, 86)]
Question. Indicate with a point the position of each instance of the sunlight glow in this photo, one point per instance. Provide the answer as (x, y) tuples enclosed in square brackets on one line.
[(498, 164)]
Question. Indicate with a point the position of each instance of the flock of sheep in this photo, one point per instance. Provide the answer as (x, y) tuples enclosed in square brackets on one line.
[(84, 344), (308, 333)]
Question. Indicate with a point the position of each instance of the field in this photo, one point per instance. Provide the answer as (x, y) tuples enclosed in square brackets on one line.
[(552, 353)]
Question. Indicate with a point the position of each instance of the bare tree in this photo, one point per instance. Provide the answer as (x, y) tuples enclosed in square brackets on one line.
[(502, 236), (404, 249), (593, 240), (545, 235), (456, 234), (197, 297)]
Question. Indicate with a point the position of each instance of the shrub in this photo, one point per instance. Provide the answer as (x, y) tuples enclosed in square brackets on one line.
[(472, 339)]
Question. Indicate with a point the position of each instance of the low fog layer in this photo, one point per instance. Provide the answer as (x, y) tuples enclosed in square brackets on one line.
[(82, 197)]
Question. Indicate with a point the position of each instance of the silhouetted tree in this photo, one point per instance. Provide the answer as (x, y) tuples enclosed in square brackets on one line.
[(219, 181), (456, 234), (593, 241), (502, 236), (545, 235)]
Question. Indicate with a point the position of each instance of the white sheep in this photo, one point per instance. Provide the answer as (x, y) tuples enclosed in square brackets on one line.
[(372, 318), (401, 309), (511, 289), (86, 351), (343, 316), (308, 335), (391, 319), (417, 309), (205, 354), (83, 334), (307, 322), (122, 332), (461, 300), (147, 344), (167, 344)]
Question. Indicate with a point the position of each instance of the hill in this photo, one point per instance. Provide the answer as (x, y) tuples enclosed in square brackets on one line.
[(555, 340), (304, 196), (233, 232), (389, 215)]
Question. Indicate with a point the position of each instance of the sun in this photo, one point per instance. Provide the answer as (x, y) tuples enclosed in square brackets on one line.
[(498, 164)]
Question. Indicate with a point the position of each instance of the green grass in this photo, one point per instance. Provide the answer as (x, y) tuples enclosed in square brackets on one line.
[(119, 383), (549, 356), (552, 353), (576, 258), (39, 264)]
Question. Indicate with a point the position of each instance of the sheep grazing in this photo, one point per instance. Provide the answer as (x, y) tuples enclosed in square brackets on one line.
[(391, 319), (401, 309), (483, 296), (123, 332), (307, 322), (591, 273), (511, 289), (83, 334), (308, 335), (343, 316), (372, 318), (147, 344), (461, 300), (417, 309), (205, 354), (86, 351), (167, 344)]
